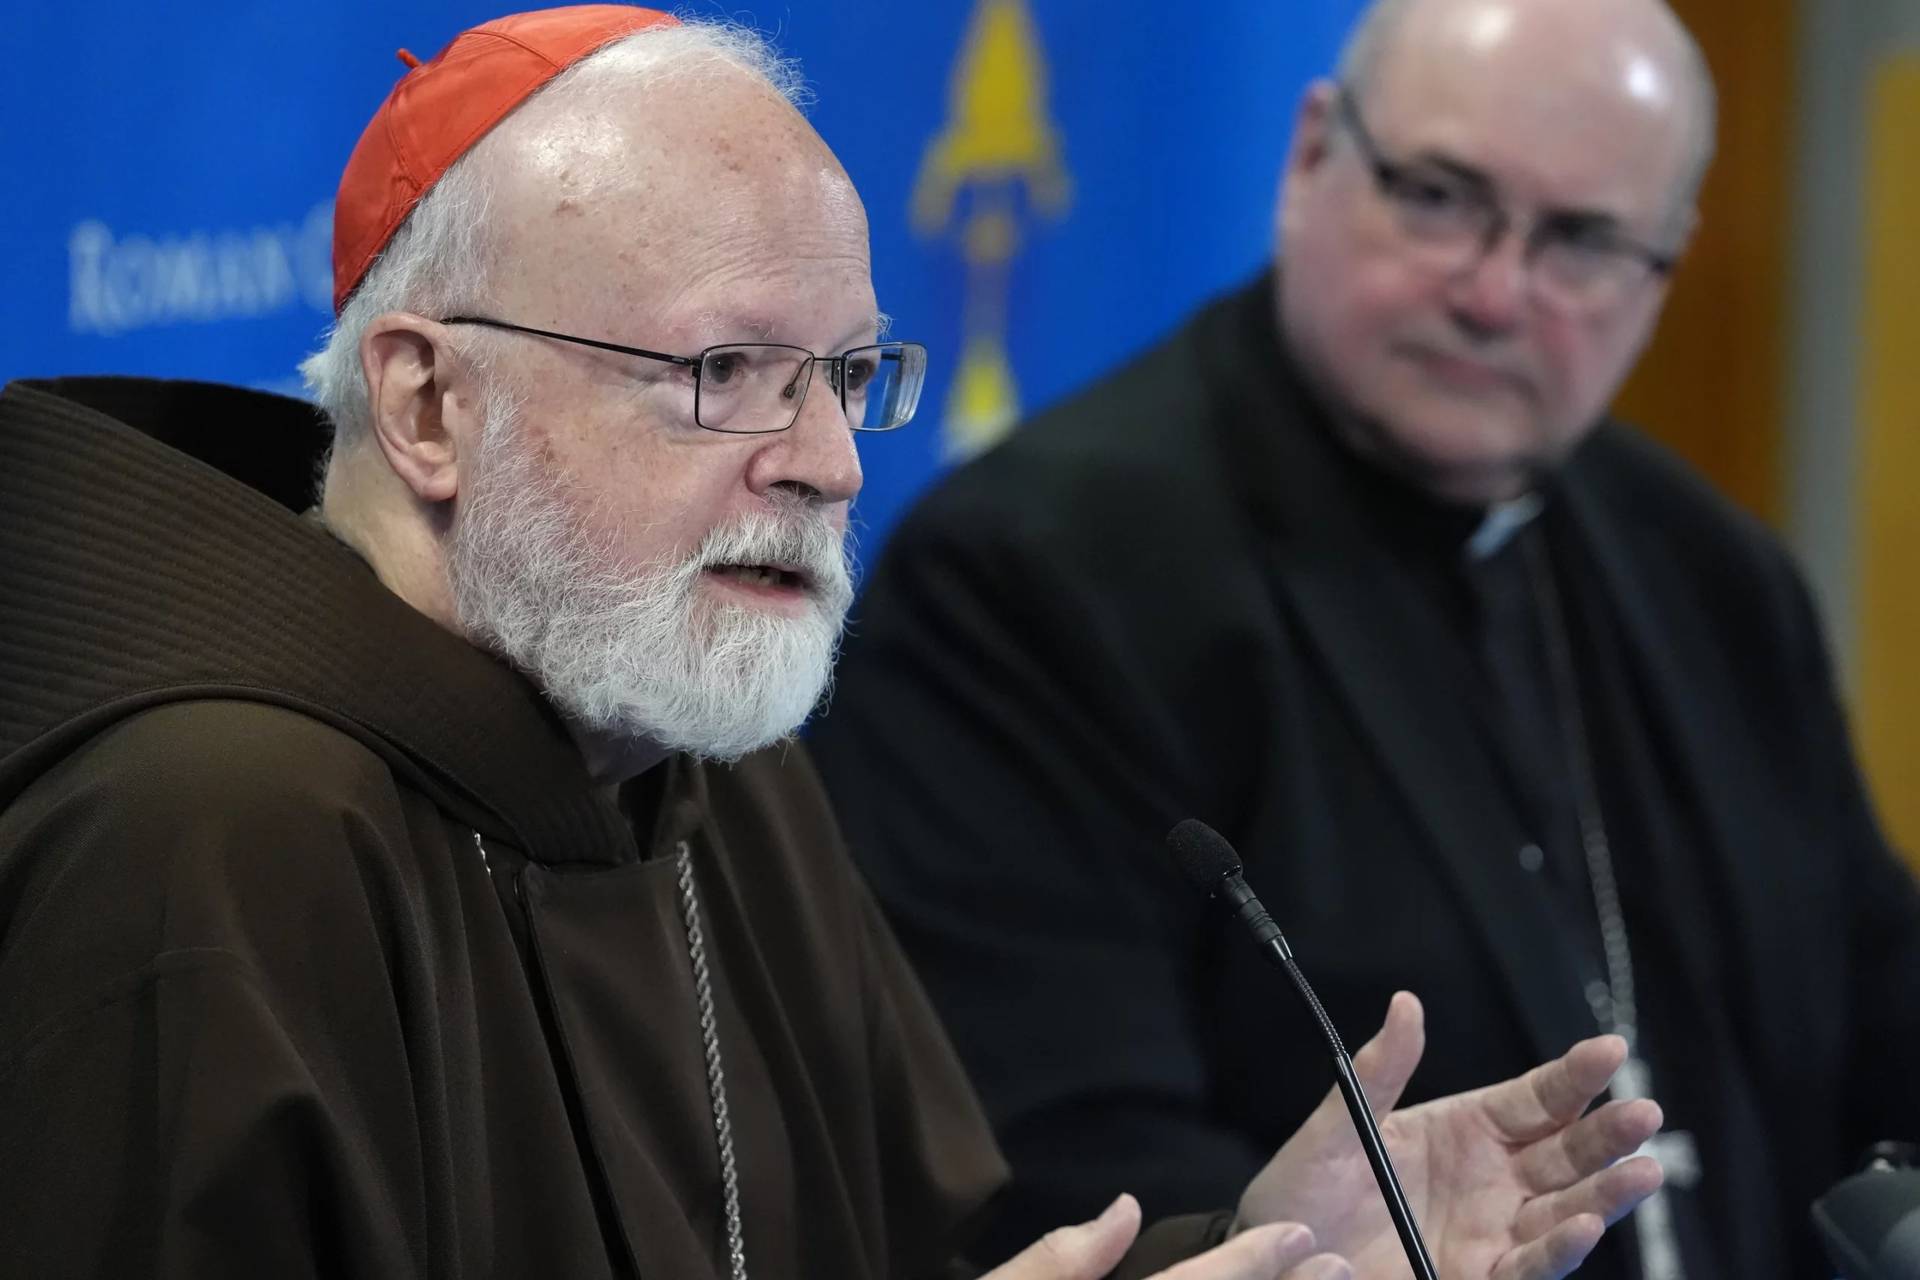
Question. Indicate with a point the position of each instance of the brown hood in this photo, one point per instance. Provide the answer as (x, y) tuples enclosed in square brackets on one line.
[(151, 550)]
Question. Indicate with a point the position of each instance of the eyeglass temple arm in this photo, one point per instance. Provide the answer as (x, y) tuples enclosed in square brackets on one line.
[(691, 361)]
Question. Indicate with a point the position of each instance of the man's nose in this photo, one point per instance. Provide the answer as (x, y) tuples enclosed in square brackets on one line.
[(1489, 294), (815, 455)]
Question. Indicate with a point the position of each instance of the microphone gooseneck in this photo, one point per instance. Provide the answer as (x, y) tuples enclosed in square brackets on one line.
[(1207, 860)]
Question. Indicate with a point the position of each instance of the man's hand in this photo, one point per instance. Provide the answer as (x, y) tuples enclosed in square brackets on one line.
[(1510, 1182), (1279, 1251)]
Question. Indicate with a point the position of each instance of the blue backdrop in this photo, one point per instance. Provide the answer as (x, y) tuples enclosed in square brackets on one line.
[(1051, 183)]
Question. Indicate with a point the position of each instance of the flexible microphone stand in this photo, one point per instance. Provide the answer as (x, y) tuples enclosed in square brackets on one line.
[(1214, 868)]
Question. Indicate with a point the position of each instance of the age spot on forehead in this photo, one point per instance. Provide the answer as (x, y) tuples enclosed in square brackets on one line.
[(727, 154)]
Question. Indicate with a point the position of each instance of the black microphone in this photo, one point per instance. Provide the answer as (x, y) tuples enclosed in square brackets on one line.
[(1210, 862), (1870, 1223)]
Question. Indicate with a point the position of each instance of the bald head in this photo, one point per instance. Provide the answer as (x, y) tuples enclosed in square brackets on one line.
[(655, 188), (1478, 224), (1636, 48), (442, 257), (663, 193), (593, 449)]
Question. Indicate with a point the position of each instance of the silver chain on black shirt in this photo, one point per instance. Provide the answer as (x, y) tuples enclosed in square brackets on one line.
[(1613, 1002), (1614, 1009), (716, 1072)]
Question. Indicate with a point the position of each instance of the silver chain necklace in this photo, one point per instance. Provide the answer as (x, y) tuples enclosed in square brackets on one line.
[(1612, 1001), (716, 1073), (1614, 1008)]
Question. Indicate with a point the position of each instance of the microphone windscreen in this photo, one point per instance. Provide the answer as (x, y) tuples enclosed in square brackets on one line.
[(1204, 855), (1870, 1224)]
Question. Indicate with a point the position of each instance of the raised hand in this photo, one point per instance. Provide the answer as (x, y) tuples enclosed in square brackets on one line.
[(1510, 1182), (1280, 1251)]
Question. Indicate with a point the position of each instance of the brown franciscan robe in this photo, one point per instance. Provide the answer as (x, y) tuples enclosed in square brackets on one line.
[(320, 955)]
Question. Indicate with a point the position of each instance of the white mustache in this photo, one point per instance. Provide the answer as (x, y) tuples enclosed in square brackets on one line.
[(797, 539)]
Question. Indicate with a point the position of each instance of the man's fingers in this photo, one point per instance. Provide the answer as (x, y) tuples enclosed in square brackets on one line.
[(1616, 1130), (1555, 1254), (1608, 1195), (1084, 1252), (1278, 1251), (1386, 1062), (1553, 1095)]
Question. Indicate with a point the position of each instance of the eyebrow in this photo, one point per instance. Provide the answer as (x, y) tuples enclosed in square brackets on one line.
[(879, 322), (1458, 168), (765, 330), (1566, 215), (760, 327)]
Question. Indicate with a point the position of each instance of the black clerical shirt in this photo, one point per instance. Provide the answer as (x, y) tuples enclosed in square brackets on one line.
[(1587, 769)]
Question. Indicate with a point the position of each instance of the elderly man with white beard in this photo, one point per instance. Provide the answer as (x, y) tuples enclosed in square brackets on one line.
[(425, 885)]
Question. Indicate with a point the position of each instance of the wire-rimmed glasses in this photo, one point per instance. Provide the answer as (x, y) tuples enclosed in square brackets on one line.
[(755, 388), (1577, 261)]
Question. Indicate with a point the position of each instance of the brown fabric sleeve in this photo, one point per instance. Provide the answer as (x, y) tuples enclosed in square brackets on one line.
[(944, 1164), (198, 1030), (942, 1139)]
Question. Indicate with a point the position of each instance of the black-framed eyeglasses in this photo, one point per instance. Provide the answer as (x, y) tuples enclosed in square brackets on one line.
[(756, 388), (1578, 261)]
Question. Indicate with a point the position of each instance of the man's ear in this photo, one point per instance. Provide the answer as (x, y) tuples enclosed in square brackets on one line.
[(1313, 127), (415, 390)]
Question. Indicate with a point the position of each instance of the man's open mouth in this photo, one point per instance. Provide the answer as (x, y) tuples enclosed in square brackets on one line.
[(764, 575)]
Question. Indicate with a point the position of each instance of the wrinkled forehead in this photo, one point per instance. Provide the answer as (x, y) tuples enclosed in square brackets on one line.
[(715, 186), (1591, 117)]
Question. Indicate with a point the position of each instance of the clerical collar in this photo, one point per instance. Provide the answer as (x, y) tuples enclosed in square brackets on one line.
[(1501, 521), (1412, 520)]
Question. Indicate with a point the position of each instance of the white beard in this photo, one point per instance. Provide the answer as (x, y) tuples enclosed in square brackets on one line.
[(640, 655)]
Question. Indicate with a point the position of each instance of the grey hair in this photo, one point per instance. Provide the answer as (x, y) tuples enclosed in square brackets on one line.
[(1373, 34), (439, 259)]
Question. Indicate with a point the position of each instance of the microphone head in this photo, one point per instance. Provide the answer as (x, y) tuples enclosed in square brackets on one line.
[(1204, 855), (1870, 1224)]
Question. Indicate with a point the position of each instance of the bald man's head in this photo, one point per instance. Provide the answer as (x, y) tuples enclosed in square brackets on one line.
[(1649, 27), (609, 435), (623, 182), (1477, 225)]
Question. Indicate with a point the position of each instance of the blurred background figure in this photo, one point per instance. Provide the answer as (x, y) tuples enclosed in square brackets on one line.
[(1504, 700), (1051, 188)]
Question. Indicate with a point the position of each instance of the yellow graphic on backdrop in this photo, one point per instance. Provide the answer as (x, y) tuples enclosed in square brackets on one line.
[(997, 141)]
